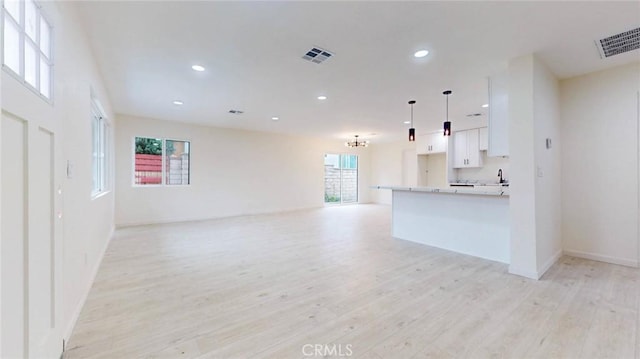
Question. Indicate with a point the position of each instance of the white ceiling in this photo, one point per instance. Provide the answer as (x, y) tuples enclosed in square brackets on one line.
[(252, 54)]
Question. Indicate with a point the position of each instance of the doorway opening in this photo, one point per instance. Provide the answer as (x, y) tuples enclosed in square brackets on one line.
[(340, 178)]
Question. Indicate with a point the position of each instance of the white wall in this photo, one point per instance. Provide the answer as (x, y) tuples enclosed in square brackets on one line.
[(87, 223), (535, 199), (546, 114), (600, 165), (522, 168), (233, 172), (432, 170), (387, 167)]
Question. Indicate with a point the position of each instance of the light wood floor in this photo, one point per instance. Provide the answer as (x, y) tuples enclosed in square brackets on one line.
[(264, 286)]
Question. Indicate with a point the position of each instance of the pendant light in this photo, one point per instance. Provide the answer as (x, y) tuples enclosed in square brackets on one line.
[(447, 123), (412, 131)]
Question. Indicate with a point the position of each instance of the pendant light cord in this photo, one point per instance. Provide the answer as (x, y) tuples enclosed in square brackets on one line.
[(412, 115), (447, 107)]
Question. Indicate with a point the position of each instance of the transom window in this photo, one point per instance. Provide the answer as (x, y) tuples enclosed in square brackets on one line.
[(27, 45)]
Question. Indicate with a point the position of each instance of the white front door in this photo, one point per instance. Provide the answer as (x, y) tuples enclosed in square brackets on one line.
[(30, 244)]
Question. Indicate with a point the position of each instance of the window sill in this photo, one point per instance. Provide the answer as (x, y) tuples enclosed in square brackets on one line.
[(97, 195), (159, 185)]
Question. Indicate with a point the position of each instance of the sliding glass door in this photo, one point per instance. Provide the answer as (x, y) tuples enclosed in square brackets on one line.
[(340, 178)]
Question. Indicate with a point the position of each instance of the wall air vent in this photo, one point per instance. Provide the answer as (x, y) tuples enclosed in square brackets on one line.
[(620, 43), (236, 112), (474, 115), (317, 55)]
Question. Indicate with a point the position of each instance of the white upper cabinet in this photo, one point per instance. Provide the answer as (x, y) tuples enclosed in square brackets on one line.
[(466, 149), (484, 139), (431, 143), (498, 115), (459, 149)]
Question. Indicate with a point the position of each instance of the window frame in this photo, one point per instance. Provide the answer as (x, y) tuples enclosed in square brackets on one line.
[(164, 160), (99, 118), (341, 155), (20, 24), (163, 182)]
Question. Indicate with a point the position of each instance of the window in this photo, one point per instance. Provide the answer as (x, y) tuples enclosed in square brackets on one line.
[(99, 135), (27, 44), (340, 178), (349, 162), (155, 156), (177, 162)]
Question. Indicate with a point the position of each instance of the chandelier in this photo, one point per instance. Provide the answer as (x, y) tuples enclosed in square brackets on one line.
[(356, 143)]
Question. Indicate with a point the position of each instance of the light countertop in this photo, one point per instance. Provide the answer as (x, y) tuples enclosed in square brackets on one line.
[(478, 190)]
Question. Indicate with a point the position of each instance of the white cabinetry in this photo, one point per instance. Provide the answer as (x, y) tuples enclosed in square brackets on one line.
[(431, 143), (484, 139), (466, 149), (498, 115)]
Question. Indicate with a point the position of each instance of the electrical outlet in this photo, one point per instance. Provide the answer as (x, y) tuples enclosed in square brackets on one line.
[(540, 172)]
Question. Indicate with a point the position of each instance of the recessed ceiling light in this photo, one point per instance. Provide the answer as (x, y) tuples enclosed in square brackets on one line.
[(322, 97), (197, 68), (421, 53), (407, 122), (485, 105), (275, 118), (177, 102)]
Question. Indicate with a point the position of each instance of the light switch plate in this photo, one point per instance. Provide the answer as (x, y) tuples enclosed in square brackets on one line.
[(70, 169)]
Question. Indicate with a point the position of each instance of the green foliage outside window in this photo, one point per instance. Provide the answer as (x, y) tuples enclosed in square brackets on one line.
[(148, 146), (331, 199)]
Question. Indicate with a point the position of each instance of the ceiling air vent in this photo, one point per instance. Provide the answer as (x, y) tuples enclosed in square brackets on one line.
[(236, 112), (317, 55), (620, 43)]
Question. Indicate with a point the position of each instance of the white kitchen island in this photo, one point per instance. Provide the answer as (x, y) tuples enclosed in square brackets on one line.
[(473, 221)]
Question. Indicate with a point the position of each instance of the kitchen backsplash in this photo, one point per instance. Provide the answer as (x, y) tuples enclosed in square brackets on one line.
[(488, 172)]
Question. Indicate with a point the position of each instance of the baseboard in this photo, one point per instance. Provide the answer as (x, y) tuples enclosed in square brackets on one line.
[(76, 313), (205, 218), (602, 258), (523, 273), (381, 204), (550, 262)]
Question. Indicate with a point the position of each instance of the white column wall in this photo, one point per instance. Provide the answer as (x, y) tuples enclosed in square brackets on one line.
[(535, 200), (522, 207)]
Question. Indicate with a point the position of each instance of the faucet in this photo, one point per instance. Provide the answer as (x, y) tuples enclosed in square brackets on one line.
[(500, 176)]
